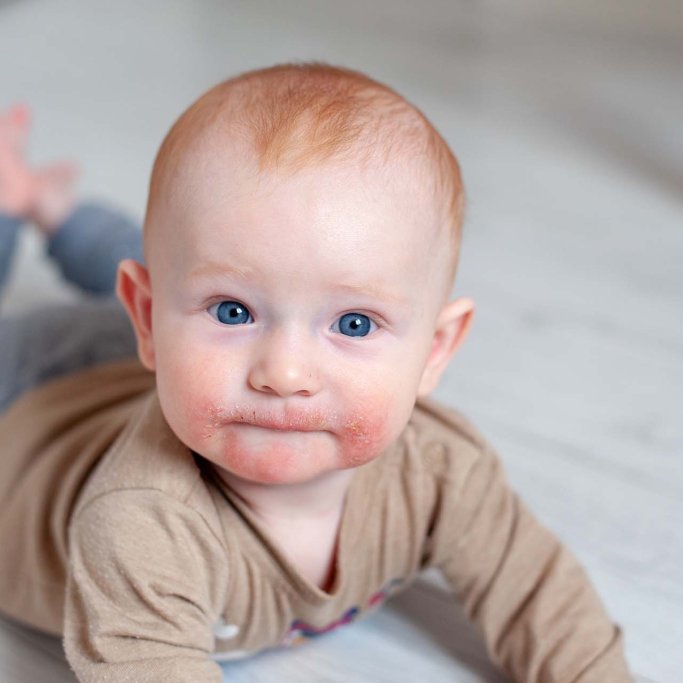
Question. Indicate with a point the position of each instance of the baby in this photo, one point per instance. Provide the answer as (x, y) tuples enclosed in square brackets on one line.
[(270, 470)]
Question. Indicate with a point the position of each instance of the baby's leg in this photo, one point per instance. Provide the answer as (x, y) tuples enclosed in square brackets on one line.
[(89, 245), (9, 230), (45, 343)]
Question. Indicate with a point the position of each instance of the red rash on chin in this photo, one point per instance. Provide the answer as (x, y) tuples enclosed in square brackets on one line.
[(265, 463), (259, 453)]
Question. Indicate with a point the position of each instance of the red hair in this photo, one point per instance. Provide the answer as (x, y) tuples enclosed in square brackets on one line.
[(298, 115)]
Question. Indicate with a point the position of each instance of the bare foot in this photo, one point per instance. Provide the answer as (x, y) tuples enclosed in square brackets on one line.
[(16, 180), (44, 195), (53, 197)]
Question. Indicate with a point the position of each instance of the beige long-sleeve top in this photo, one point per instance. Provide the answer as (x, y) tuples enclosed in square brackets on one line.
[(116, 535)]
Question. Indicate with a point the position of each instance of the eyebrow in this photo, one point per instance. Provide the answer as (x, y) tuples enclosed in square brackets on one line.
[(374, 292), (213, 269)]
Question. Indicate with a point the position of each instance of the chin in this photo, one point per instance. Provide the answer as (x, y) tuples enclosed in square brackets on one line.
[(272, 457), (275, 463)]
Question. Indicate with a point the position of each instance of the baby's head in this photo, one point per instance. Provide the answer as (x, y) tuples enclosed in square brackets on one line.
[(301, 239)]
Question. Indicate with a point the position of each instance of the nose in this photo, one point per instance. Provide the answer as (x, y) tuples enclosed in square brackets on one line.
[(284, 367)]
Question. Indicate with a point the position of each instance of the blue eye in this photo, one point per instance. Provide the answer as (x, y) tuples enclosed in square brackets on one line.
[(354, 325), (231, 313)]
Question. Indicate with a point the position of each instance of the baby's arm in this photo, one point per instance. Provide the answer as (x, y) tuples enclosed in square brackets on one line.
[(540, 616), (145, 588)]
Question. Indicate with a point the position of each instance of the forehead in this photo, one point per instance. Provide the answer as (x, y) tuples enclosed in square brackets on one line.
[(225, 190), (343, 217)]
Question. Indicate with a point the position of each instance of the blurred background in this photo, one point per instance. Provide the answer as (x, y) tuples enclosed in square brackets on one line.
[(567, 119)]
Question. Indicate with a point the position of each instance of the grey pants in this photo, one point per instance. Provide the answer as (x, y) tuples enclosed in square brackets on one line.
[(46, 342)]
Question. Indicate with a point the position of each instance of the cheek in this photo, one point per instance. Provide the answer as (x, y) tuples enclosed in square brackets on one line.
[(378, 413), (188, 392), (204, 417), (368, 429)]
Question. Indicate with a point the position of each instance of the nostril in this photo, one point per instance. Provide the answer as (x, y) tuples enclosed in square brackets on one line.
[(280, 376)]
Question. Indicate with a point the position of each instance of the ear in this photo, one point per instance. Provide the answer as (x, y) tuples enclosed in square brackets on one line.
[(452, 326), (135, 293)]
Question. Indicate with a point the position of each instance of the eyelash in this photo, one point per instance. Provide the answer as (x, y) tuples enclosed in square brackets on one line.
[(376, 323)]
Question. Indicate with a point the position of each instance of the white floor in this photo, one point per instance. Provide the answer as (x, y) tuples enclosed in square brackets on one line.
[(568, 120)]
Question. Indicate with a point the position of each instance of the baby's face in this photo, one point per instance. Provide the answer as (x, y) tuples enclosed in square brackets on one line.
[(293, 316)]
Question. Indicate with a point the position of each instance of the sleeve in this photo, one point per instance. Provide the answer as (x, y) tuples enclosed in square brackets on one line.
[(540, 617), (88, 246), (146, 584)]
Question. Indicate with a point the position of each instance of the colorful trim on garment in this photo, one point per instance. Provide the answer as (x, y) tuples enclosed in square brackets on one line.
[(301, 631)]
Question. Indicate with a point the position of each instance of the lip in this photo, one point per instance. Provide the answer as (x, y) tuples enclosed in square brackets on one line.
[(289, 419), (276, 426)]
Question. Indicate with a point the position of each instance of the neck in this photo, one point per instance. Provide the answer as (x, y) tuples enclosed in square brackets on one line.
[(316, 500)]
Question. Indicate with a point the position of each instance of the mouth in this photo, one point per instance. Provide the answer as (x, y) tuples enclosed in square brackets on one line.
[(274, 421), (277, 426)]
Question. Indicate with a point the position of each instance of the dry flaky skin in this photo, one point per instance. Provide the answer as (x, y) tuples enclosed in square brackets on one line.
[(162, 558)]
